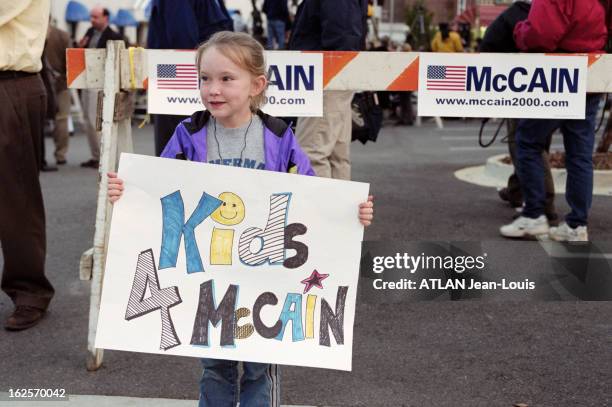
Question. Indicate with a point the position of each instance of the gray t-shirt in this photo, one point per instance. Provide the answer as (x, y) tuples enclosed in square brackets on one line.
[(237, 147)]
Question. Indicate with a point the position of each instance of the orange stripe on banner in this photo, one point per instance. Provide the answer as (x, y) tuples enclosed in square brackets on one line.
[(75, 63), (593, 58), (407, 80), (334, 62), (145, 84)]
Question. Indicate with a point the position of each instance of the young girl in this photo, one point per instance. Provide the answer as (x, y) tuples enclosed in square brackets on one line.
[(233, 131)]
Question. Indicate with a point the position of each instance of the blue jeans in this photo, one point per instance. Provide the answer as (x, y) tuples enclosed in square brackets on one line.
[(259, 384), (276, 31), (578, 140)]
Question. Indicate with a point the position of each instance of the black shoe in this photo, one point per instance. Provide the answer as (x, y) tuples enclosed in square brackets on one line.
[(61, 162), (503, 194), (512, 200), (91, 164), (24, 317), (48, 168)]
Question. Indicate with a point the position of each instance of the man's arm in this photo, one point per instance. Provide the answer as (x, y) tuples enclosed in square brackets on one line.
[(11, 9), (544, 28), (84, 42), (457, 43), (435, 42)]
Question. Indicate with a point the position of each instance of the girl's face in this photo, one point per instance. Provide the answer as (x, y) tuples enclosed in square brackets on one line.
[(226, 88)]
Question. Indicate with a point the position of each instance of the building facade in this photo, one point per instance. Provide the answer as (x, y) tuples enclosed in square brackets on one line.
[(443, 10)]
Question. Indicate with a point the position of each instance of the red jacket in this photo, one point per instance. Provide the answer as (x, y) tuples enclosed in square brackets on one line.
[(563, 25)]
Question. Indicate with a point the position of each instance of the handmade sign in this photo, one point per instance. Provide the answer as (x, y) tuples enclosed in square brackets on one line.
[(232, 263)]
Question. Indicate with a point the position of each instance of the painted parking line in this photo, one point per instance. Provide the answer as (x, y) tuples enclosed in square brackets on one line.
[(564, 250), (492, 148)]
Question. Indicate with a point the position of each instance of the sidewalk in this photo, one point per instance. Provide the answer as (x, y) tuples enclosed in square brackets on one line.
[(100, 401)]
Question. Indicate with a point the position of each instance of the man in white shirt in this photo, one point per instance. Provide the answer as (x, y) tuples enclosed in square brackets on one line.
[(23, 28)]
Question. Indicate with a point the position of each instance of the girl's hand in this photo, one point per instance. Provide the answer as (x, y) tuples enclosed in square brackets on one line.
[(115, 187), (366, 211)]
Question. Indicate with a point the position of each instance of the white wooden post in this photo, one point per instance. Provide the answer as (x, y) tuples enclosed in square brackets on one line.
[(116, 137)]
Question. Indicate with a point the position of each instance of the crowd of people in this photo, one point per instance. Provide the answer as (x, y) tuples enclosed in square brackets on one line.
[(33, 85)]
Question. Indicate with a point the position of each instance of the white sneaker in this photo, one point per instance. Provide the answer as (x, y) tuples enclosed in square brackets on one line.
[(565, 233), (523, 226)]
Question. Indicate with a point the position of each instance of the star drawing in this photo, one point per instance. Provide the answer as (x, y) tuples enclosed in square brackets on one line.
[(314, 280)]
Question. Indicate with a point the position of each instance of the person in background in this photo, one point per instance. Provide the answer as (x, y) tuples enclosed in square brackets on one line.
[(46, 74), (338, 25), (23, 28), (58, 41), (558, 26), (406, 113), (238, 22), (465, 33), (384, 99), (96, 37), (277, 14), (182, 24), (446, 40), (499, 38)]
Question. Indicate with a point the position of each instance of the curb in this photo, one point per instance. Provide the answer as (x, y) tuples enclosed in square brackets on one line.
[(495, 174)]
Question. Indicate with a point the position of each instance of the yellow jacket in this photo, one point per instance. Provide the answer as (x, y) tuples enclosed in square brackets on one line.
[(451, 44)]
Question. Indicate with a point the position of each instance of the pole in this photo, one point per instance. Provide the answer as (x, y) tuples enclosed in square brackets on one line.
[(375, 20), (392, 18)]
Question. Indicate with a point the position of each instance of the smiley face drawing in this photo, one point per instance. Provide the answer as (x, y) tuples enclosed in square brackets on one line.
[(231, 212)]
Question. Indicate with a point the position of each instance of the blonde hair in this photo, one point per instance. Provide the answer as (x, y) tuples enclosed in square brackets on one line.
[(244, 51)]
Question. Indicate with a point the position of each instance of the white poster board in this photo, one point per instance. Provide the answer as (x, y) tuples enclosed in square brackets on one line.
[(295, 87), (509, 85), (274, 264)]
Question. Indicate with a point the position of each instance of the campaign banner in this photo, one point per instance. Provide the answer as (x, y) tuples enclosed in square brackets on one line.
[(232, 263), (508, 85), (295, 83)]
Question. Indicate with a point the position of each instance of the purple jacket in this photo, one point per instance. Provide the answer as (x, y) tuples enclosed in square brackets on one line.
[(282, 152)]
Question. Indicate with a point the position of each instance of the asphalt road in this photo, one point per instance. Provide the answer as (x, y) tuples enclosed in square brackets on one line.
[(435, 353)]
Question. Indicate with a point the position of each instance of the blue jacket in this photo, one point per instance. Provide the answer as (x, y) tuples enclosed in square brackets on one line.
[(276, 9), (281, 149), (330, 25), (184, 24)]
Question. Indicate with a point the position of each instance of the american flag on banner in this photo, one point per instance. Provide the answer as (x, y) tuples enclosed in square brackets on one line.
[(446, 77), (177, 77)]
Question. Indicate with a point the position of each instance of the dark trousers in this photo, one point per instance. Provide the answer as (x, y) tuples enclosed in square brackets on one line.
[(406, 115), (259, 384), (163, 127), (22, 214), (578, 140), (514, 185)]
